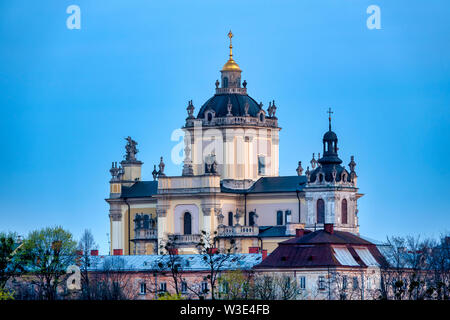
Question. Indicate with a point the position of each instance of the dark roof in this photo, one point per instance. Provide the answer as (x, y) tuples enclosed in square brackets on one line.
[(272, 185), (272, 231), (327, 170), (322, 236), (318, 249), (219, 103), (140, 189), (330, 136)]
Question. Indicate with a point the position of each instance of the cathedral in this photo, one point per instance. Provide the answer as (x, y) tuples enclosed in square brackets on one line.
[(230, 185)]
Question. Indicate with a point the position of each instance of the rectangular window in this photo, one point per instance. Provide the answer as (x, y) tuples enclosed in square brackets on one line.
[(183, 286), (355, 283), (321, 283), (344, 282), (162, 287), (204, 287), (302, 283), (287, 216), (143, 288), (261, 165), (279, 218)]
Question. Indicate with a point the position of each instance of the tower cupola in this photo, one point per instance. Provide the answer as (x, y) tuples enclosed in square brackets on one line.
[(330, 148), (231, 73)]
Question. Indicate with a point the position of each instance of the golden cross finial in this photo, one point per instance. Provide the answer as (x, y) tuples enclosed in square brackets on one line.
[(230, 35)]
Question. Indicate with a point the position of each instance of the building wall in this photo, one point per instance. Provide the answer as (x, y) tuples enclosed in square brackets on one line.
[(236, 150)]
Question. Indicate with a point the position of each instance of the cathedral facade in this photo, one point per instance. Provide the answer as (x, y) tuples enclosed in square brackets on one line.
[(230, 186)]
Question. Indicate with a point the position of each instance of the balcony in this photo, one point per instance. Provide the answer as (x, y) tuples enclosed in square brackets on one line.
[(238, 231), (145, 234), (185, 239)]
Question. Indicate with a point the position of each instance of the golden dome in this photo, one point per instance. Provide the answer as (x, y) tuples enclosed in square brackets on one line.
[(231, 65)]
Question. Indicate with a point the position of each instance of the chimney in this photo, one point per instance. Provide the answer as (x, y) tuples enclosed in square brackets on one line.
[(299, 233), (253, 249), (79, 254), (264, 254), (94, 252), (213, 250), (328, 227), (117, 252)]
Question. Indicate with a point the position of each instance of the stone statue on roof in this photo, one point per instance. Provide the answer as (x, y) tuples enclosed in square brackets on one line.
[(131, 149)]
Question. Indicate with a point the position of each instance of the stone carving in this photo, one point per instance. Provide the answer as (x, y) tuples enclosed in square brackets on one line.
[(160, 172), (154, 173), (131, 149), (229, 107), (190, 109), (220, 218), (308, 174), (244, 84), (237, 216), (161, 167), (272, 109), (299, 168), (217, 84), (211, 164), (246, 107), (313, 162), (114, 171)]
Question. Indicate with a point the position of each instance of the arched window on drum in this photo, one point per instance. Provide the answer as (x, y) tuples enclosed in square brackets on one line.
[(320, 211), (187, 223), (344, 212)]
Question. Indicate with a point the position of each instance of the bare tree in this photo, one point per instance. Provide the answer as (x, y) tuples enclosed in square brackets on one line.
[(110, 281), (215, 258), (86, 261), (265, 287), (171, 261)]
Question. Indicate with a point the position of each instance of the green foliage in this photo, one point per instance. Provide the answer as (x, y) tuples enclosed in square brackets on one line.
[(168, 296), (6, 295), (234, 285), (47, 253), (9, 264)]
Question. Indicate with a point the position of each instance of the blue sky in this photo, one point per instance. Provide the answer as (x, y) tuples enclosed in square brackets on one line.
[(68, 98)]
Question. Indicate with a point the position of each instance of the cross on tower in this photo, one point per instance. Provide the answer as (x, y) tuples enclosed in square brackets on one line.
[(329, 117), (230, 35)]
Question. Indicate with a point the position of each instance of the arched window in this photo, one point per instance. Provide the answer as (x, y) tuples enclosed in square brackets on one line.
[(209, 116), (320, 211), (279, 218), (230, 219), (251, 218), (187, 223), (225, 82), (344, 215)]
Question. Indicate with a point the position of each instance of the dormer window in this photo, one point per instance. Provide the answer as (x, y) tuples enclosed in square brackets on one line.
[(261, 116), (209, 115)]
